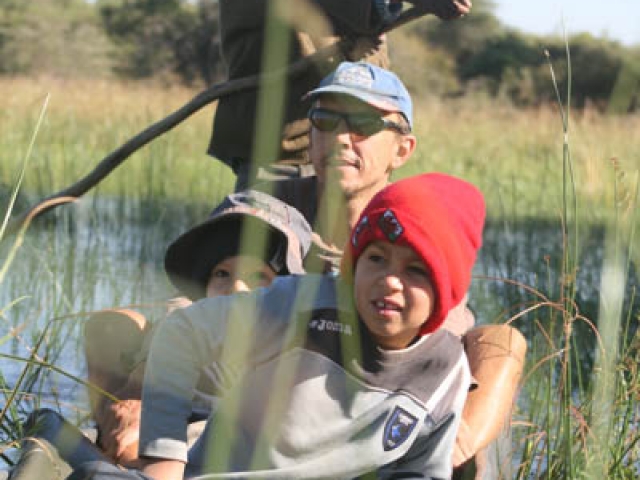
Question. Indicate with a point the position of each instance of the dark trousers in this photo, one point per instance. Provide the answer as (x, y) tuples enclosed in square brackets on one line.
[(100, 470), (52, 448)]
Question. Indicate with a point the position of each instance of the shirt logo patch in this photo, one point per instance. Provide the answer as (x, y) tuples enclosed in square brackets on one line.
[(390, 225), (322, 325), (398, 428)]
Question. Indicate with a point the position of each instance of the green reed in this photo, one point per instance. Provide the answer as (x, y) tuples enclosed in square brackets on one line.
[(579, 405), (10, 422)]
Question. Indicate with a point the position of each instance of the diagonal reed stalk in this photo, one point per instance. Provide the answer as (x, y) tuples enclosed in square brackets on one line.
[(10, 398), (23, 170)]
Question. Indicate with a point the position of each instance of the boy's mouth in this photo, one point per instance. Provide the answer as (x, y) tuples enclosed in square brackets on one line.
[(386, 305)]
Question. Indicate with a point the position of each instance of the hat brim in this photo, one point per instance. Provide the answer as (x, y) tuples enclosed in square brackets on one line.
[(184, 257), (380, 102)]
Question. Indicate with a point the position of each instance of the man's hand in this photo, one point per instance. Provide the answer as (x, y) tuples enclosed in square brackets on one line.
[(119, 426), (444, 9)]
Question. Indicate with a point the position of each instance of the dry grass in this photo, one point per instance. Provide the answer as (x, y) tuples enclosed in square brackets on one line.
[(510, 153), (86, 120)]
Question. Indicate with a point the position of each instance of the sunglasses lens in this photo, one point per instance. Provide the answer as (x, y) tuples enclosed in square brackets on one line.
[(324, 121), (365, 125), (358, 123)]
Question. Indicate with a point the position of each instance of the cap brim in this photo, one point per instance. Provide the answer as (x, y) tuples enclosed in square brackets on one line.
[(381, 102)]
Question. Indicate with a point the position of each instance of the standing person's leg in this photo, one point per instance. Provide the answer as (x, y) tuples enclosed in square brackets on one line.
[(242, 169)]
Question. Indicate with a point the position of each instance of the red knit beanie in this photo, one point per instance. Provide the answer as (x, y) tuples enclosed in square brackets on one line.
[(441, 218)]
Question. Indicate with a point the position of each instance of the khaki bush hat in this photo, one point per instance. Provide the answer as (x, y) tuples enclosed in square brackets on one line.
[(191, 257)]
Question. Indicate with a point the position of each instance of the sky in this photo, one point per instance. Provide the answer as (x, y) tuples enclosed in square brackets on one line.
[(615, 19)]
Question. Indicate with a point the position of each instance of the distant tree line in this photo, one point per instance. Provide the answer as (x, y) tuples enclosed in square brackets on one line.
[(178, 41)]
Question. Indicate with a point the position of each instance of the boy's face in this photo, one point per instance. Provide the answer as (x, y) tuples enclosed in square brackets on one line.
[(240, 273), (393, 293)]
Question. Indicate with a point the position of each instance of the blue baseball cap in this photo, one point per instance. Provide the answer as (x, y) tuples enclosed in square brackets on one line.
[(376, 86)]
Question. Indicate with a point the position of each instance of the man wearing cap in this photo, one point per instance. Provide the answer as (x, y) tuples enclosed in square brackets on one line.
[(314, 26), (362, 118)]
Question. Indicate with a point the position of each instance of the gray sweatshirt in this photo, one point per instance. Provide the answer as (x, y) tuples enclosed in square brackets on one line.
[(318, 399)]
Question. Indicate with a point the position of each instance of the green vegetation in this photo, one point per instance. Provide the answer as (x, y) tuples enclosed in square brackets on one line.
[(176, 41), (561, 184), (540, 267), (513, 154), (87, 119), (585, 437)]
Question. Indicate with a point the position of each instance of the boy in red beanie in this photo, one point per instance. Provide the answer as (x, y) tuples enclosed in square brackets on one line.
[(343, 376), (433, 219)]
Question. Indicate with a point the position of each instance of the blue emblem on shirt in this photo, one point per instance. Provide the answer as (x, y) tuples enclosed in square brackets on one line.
[(398, 428)]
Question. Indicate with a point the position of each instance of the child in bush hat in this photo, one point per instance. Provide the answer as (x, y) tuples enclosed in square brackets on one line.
[(191, 259), (208, 260)]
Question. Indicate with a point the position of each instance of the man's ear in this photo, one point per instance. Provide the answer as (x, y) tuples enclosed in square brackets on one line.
[(404, 149)]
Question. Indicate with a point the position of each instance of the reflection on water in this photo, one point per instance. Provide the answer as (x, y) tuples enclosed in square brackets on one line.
[(77, 259)]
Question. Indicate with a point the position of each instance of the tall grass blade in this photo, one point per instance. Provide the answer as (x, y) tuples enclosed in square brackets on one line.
[(23, 169)]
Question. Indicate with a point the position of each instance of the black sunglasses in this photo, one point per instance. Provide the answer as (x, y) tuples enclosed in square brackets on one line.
[(364, 124)]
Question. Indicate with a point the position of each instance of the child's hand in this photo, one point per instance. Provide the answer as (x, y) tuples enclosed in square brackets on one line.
[(119, 425)]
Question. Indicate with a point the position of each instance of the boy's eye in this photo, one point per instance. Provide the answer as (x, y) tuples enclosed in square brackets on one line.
[(418, 270), (375, 257), (221, 274)]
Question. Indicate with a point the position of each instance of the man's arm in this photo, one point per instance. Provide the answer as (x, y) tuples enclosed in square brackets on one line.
[(119, 422), (368, 17), (496, 357)]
